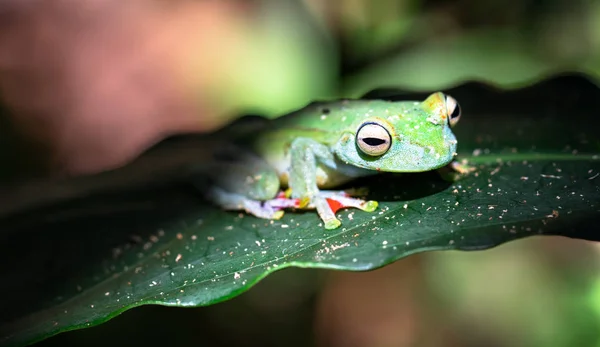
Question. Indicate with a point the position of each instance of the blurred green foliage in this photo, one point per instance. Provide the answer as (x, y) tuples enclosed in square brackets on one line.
[(347, 48)]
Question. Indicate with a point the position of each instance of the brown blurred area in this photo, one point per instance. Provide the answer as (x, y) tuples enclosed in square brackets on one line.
[(375, 308), (91, 84)]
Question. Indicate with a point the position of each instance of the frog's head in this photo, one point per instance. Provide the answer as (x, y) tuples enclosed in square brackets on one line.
[(406, 137)]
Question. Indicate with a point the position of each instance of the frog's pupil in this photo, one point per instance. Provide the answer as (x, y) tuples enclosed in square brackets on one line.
[(456, 112), (373, 141)]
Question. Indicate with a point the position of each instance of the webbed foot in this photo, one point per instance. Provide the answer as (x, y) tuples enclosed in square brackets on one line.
[(233, 201), (336, 200), (455, 171), (326, 202)]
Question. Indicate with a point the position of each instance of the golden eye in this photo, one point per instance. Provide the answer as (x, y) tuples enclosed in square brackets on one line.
[(373, 139), (453, 109)]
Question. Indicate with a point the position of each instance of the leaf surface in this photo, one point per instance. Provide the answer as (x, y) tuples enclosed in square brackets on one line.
[(81, 261)]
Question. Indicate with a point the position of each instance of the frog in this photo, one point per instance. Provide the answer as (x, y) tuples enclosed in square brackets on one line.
[(297, 160)]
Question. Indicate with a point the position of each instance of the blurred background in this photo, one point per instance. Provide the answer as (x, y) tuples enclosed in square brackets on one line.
[(87, 86)]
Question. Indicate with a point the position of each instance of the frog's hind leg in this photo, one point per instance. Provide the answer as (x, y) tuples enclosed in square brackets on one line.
[(236, 202), (241, 181)]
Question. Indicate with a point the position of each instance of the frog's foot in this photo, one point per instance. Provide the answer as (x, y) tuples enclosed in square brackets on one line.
[(455, 171), (462, 168), (328, 202), (343, 199), (236, 202)]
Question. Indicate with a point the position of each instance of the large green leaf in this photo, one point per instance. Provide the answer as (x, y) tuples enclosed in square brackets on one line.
[(84, 260)]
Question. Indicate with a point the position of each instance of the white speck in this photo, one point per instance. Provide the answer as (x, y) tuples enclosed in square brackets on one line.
[(285, 226), (550, 176), (405, 206), (236, 275), (354, 260), (178, 258), (210, 238), (323, 117), (257, 243), (107, 293), (384, 242)]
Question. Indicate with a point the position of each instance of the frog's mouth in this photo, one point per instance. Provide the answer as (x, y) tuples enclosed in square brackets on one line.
[(403, 157), (416, 158)]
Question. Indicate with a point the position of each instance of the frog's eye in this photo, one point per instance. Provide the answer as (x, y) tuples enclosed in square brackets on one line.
[(373, 139), (453, 109)]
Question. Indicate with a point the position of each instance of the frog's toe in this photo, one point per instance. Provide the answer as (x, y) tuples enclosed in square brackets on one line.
[(278, 214), (370, 206), (462, 168), (281, 202), (260, 210), (455, 171), (332, 224), (337, 201)]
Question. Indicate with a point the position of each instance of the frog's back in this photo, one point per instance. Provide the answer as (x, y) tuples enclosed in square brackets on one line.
[(334, 116)]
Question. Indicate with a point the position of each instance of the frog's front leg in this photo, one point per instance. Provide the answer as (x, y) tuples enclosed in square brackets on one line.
[(305, 155)]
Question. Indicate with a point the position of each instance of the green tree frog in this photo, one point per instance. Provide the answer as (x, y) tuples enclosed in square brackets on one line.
[(326, 144)]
